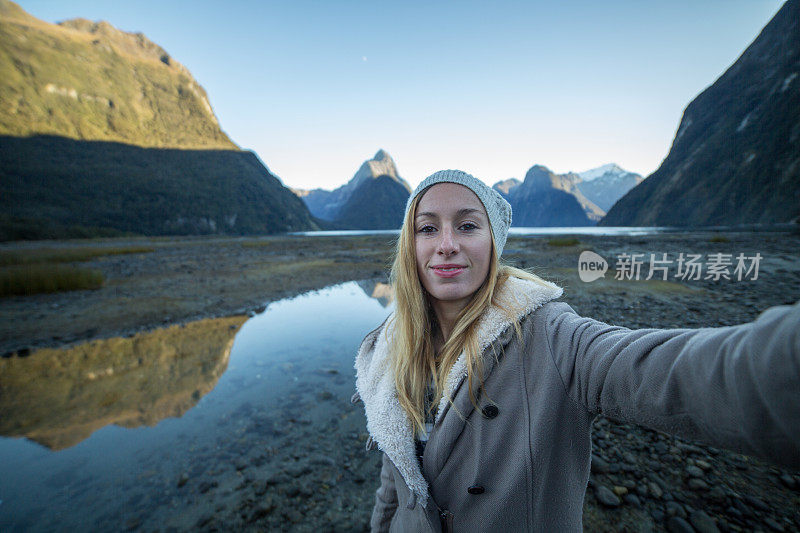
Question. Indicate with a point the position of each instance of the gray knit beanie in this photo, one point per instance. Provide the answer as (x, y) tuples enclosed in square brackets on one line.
[(497, 208)]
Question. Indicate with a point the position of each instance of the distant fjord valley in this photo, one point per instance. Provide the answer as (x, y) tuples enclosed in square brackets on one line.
[(376, 196), (103, 133)]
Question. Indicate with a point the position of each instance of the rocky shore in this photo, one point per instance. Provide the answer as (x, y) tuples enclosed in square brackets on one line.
[(274, 469)]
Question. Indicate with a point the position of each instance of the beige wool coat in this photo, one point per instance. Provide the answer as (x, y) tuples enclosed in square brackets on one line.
[(521, 462)]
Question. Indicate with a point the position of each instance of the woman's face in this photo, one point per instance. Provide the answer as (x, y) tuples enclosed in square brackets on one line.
[(453, 243)]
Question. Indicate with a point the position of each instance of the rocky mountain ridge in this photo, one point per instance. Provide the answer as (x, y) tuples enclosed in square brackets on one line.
[(607, 184), (735, 158), (374, 198), (545, 198)]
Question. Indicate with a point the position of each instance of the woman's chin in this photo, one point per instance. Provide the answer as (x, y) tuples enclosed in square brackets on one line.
[(450, 293)]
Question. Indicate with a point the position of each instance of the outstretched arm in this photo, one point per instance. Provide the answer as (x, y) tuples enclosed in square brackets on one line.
[(735, 387)]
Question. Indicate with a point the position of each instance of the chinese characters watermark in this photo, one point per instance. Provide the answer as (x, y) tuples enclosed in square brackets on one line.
[(686, 267)]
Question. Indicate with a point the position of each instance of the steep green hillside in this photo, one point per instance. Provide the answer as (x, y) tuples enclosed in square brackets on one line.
[(102, 133), (90, 81)]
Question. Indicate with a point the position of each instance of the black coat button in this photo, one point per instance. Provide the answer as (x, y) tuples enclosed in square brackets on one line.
[(475, 489), (490, 411)]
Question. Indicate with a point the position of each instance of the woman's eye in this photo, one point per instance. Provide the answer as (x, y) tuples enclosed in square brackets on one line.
[(468, 226), (426, 229)]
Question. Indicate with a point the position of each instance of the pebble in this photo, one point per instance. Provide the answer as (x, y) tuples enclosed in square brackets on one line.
[(655, 478), (702, 464), (734, 512), (660, 447), (694, 471), (654, 466), (743, 508), (676, 509), (183, 480), (599, 465), (697, 484), (655, 490), (703, 523), (717, 493), (689, 448), (677, 524), (606, 496), (262, 510), (628, 457), (756, 502), (789, 481), (775, 526), (632, 499), (293, 515), (619, 491)]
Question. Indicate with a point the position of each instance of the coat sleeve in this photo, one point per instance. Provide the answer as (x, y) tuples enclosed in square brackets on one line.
[(385, 499), (734, 387)]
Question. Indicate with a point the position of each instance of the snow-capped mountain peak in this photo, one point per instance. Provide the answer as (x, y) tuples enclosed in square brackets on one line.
[(589, 175)]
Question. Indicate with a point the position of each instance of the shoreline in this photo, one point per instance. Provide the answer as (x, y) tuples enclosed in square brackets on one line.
[(188, 279)]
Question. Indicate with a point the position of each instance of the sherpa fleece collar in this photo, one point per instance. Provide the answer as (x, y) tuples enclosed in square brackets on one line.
[(387, 422)]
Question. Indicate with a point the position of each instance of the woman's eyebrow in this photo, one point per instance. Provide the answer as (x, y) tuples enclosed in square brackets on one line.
[(468, 211)]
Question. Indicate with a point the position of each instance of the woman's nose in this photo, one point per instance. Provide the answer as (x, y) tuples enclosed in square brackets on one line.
[(448, 245)]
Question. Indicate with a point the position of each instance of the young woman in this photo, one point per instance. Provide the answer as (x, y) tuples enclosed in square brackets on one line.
[(481, 390)]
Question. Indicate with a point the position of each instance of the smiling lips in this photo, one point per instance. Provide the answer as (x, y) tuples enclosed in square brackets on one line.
[(448, 271)]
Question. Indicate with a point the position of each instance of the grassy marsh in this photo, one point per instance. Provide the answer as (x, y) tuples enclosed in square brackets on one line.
[(45, 278), (66, 255)]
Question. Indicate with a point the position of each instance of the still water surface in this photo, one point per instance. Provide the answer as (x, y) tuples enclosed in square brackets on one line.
[(232, 423)]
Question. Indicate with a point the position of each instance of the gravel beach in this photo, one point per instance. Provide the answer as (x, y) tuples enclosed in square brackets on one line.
[(641, 480)]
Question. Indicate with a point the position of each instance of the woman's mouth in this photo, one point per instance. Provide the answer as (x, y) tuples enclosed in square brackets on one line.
[(448, 271)]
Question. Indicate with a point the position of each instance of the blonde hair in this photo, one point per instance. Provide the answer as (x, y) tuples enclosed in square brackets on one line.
[(411, 343)]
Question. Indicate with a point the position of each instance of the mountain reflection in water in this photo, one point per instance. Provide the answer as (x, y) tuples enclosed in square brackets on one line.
[(59, 397), (380, 291), (187, 428)]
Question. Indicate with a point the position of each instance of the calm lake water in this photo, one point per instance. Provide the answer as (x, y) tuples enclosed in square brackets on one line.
[(232, 423)]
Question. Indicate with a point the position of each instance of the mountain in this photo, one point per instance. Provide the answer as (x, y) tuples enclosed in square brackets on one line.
[(90, 81), (503, 187), (604, 185), (375, 198), (104, 132), (54, 187), (735, 158), (545, 199)]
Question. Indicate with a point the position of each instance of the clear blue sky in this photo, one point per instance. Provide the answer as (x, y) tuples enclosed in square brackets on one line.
[(317, 87)]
